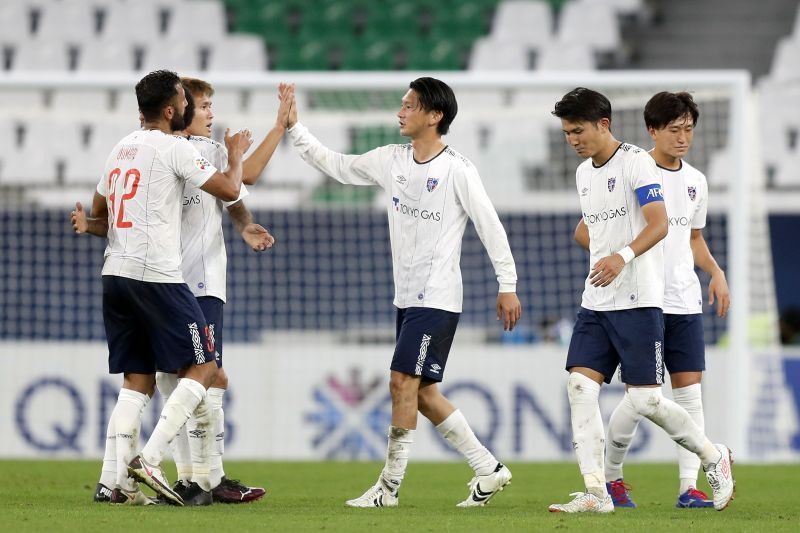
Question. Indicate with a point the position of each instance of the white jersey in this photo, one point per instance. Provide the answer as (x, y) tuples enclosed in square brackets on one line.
[(204, 260), (143, 184), (611, 198), (428, 205), (686, 196)]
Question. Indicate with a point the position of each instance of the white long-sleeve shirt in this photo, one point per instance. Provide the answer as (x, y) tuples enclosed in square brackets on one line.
[(428, 205)]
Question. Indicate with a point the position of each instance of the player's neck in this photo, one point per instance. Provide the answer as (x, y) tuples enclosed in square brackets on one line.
[(665, 160), (426, 148), (161, 125), (601, 158)]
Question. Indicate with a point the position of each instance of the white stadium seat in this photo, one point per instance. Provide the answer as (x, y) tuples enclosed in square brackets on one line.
[(566, 56), (527, 22), (488, 54), (590, 23), (238, 53)]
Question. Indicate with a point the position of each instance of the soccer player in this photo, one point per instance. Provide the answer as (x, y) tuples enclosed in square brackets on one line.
[(152, 320), (430, 192), (620, 321), (671, 119), (204, 262)]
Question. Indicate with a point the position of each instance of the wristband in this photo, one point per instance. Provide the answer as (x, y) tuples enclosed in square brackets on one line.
[(627, 254)]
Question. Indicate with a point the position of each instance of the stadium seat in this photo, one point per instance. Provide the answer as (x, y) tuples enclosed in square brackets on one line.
[(720, 169), (81, 101), (591, 23), (31, 165), (785, 62), (141, 25), (41, 56), (72, 22), (199, 21), (526, 22), (238, 53), (559, 55), (15, 20), (104, 55), (493, 55), (84, 163), (786, 174), (180, 56)]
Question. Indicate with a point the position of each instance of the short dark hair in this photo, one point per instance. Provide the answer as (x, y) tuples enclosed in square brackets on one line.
[(188, 113), (582, 104), (665, 107), (436, 95), (155, 91)]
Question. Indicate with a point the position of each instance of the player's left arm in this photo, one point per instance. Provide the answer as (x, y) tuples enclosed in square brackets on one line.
[(581, 235), (95, 224), (718, 286), (255, 235), (476, 203)]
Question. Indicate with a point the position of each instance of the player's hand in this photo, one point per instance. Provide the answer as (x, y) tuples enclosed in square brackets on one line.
[(286, 90), (257, 237), (606, 270), (238, 143), (718, 290), (287, 104), (78, 219), (508, 309)]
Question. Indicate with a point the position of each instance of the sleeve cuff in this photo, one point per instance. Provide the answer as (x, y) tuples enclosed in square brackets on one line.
[(508, 287)]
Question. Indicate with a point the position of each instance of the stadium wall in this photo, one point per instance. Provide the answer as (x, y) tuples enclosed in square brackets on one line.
[(298, 397)]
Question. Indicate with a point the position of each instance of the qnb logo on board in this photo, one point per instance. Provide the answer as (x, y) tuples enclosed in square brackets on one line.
[(351, 414)]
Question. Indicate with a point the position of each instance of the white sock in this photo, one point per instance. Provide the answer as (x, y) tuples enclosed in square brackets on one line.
[(177, 410), (672, 418), (179, 446), (621, 429), (397, 452), (108, 475), (690, 398), (588, 437), (127, 425), (460, 436), (215, 399), (199, 429)]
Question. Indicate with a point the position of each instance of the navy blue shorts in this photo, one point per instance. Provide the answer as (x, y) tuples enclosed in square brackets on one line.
[(212, 310), (153, 326), (684, 347), (631, 338), (424, 337)]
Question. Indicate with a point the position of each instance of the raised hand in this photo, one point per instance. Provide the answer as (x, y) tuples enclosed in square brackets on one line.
[(286, 90), (287, 103)]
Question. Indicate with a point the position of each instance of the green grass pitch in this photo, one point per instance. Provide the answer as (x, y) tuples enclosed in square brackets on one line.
[(57, 496)]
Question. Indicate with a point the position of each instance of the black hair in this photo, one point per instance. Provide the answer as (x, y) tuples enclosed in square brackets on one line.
[(582, 104), (188, 113), (665, 107), (155, 91), (436, 95)]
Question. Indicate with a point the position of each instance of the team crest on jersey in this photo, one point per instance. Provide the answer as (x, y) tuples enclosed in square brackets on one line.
[(202, 163), (692, 193), (611, 183), (432, 183)]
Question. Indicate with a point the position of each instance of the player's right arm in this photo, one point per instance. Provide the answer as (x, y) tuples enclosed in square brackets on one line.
[(364, 169), (95, 224), (226, 185), (254, 165), (582, 234)]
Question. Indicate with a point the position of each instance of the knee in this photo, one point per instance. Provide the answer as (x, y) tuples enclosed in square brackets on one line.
[(220, 379), (425, 400), (645, 400), (402, 386)]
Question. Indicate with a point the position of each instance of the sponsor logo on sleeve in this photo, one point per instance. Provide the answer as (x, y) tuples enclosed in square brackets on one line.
[(202, 163)]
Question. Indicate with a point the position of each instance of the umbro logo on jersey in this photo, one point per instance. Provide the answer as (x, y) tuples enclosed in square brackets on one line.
[(432, 183), (692, 193), (202, 163), (611, 183), (400, 179), (585, 191)]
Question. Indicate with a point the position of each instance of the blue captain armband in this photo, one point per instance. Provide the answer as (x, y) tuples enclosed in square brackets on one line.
[(650, 193)]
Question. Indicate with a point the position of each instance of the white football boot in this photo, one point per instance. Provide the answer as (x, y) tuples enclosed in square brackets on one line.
[(483, 488), (584, 502), (720, 478)]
